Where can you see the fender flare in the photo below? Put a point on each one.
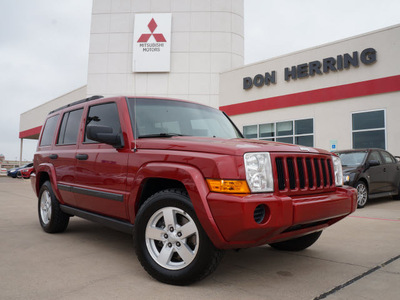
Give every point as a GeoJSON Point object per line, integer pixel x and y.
{"type": "Point", "coordinates": [195, 185]}
{"type": "Point", "coordinates": [50, 171]}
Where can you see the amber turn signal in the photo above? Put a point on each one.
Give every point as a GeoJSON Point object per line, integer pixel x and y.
{"type": "Point", "coordinates": [228, 186]}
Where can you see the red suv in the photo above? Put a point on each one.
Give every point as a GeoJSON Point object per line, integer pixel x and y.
{"type": "Point", "coordinates": [180, 177]}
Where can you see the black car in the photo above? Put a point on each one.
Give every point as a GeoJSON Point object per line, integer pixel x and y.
{"type": "Point", "coordinates": [14, 171]}
{"type": "Point", "coordinates": [374, 173]}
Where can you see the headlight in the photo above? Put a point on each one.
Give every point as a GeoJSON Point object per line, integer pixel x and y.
{"type": "Point", "coordinates": [347, 178]}
{"type": "Point", "coordinates": [259, 172]}
{"type": "Point", "coordinates": [337, 166]}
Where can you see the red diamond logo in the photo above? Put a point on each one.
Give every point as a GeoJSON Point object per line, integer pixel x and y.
{"type": "Point", "coordinates": [159, 37]}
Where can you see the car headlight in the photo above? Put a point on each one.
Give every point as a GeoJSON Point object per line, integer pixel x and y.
{"type": "Point", "coordinates": [337, 166]}
{"type": "Point", "coordinates": [259, 172]}
{"type": "Point", "coordinates": [348, 178]}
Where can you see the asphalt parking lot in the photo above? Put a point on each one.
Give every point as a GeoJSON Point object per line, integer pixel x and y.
{"type": "Point", "coordinates": [358, 258]}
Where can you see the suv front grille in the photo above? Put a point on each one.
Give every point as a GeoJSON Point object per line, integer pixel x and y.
{"type": "Point", "coordinates": [304, 172]}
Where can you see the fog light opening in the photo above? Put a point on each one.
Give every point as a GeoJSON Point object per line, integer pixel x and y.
{"type": "Point", "coordinates": [261, 214]}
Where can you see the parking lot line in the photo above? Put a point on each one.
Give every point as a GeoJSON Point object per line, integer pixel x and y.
{"type": "Point", "coordinates": [370, 271]}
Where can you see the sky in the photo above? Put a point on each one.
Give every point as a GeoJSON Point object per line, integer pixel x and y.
{"type": "Point", "coordinates": [44, 45]}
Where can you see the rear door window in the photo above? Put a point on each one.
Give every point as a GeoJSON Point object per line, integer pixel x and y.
{"type": "Point", "coordinates": [388, 158]}
{"type": "Point", "coordinates": [70, 127]}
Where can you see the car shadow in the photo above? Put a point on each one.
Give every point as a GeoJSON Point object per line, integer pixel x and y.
{"type": "Point", "coordinates": [379, 201]}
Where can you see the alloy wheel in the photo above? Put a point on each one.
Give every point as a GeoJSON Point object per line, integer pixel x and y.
{"type": "Point", "coordinates": [172, 238]}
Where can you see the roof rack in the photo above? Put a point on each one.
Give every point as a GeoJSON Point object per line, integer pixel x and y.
{"type": "Point", "coordinates": [78, 102]}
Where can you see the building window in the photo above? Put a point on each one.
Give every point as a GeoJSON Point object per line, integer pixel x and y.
{"type": "Point", "coordinates": [284, 132]}
{"type": "Point", "coordinates": [304, 132]}
{"type": "Point", "coordinates": [250, 132]}
{"type": "Point", "coordinates": [369, 130]}
{"type": "Point", "coordinates": [267, 131]}
{"type": "Point", "coordinates": [300, 132]}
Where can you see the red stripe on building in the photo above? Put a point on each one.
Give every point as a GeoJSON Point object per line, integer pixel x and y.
{"type": "Point", "coordinates": [359, 89]}
{"type": "Point", "coordinates": [30, 132]}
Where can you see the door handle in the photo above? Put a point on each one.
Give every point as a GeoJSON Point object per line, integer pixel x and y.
{"type": "Point", "coordinates": [82, 156]}
{"type": "Point", "coordinates": [53, 156]}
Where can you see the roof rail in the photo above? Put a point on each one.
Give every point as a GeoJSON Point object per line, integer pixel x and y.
{"type": "Point", "coordinates": [78, 102]}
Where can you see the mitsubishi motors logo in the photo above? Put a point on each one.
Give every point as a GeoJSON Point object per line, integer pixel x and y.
{"type": "Point", "coordinates": [159, 37]}
{"type": "Point", "coordinates": [152, 43]}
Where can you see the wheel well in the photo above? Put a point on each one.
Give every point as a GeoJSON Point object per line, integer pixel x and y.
{"type": "Point", "coordinates": [43, 177]}
{"type": "Point", "coordinates": [364, 181]}
{"type": "Point", "coordinates": [155, 185]}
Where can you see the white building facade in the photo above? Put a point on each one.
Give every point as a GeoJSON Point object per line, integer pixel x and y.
{"type": "Point", "coordinates": [336, 96]}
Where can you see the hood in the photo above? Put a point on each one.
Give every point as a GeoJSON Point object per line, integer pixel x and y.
{"type": "Point", "coordinates": [221, 146]}
{"type": "Point", "coordinates": [350, 169]}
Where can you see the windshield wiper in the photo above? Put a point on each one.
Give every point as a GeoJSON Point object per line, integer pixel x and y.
{"type": "Point", "coordinates": [162, 134]}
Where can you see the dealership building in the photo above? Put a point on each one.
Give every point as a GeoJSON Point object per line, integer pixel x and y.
{"type": "Point", "coordinates": [341, 95]}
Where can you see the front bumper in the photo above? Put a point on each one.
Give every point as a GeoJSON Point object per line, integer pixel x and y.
{"type": "Point", "coordinates": [285, 217]}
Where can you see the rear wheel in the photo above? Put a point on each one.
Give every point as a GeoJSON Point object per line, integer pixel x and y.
{"type": "Point", "coordinates": [299, 243]}
{"type": "Point", "coordinates": [362, 194]}
{"type": "Point", "coordinates": [51, 218]}
{"type": "Point", "coordinates": [170, 243]}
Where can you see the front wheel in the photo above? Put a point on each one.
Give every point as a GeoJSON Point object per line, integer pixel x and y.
{"type": "Point", "coordinates": [362, 194]}
{"type": "Point", "coordinates": [170, 243]}
{"type": "Point", "coordinates": [297, 244]}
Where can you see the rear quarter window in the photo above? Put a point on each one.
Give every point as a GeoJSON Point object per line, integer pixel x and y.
{"type": "Point", "coordinates": [49, 130]}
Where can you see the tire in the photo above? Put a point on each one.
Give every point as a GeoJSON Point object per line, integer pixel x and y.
{"type": "Point", "coordinates": [51, 218]}
{"type": "Point", "coordinates": [297, 244]}
{"type": "Point", "coordinates": [169, 241]}
{"type": "Point", "coordinates": [362, 194]}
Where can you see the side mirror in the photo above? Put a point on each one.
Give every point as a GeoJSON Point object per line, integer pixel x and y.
{"type": "Point", "coordinates": [104, 134]}
{"type": "Point", "coordinates": [372, 163]}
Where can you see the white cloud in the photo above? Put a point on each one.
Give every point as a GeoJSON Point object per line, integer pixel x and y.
{"type": "Point", "coordinates": [44, 47]}
{"type": "Point", "coordinates": [274, 28]}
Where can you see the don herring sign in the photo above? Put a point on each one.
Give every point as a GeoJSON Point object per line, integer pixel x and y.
{"type": "Point", "coordinates": [305, 70]}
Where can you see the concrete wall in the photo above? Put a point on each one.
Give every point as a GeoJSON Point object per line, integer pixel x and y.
{"type": "Point", "coordinates": [207, 38]}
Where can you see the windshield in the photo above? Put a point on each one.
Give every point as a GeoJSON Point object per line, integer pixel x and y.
{"type": "Point", "coordinates": [352, 159]}
{"type": "Point", "coordinates": [167, 118]}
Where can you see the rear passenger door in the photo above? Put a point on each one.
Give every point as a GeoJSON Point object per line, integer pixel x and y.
{"type": "Point", "coordinates": [63, 156]}
{"type": "Point", "coordinates": [392, 172]}
{"type": "Point", "coordinates": [376, 173]}
{"type": "Point", "coordinates": [101, 169]}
